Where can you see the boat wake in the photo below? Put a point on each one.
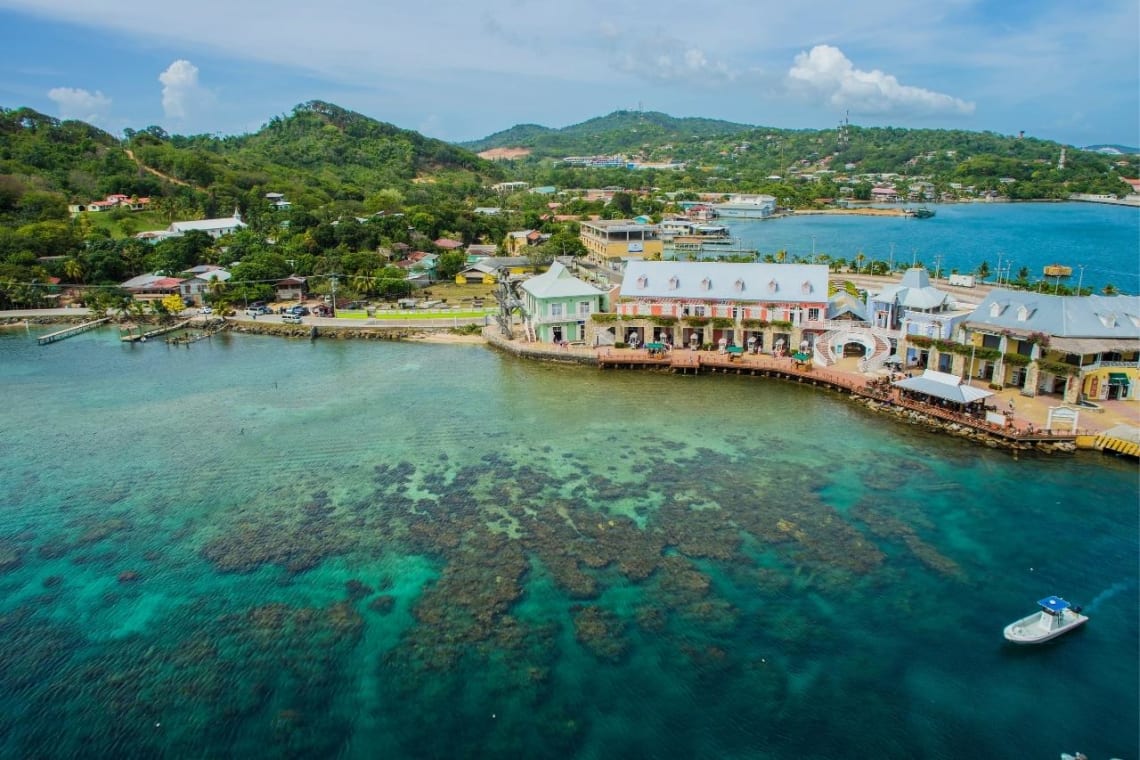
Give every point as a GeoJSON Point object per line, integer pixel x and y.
{"type": "Point", "coordinates": [1107, 594]}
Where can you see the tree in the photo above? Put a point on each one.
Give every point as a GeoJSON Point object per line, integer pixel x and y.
{"type": "Point", "coordinates": [449, 264]}
{"type": "Point", "coordinates": [173, 304]}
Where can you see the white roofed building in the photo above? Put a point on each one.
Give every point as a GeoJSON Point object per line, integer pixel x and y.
{"type": "Point", "coordinates": [215, 228]}
{"type": "Point", "coordinates": [776, 307]}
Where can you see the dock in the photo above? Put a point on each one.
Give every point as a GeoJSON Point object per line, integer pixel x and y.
{"type": "Point", "coordinates": [155, 333]}
{"type": "Point", "coordinates": [59, 335]}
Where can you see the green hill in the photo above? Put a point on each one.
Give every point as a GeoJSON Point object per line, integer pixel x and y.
{"type": "Point", "coordinates": [619, 132]}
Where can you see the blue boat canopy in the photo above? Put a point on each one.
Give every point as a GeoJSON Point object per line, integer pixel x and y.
{"type": "Point", "coordinates": [1054, 604]}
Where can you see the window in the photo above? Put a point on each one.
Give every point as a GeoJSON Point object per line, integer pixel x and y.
{"type": "Point", "coordinates": [698, 311]}
{"type": "Point", "coordinates": [642, 281]}
{"type": "Point", "coordinates": [806, 287]}
{"type": "Point", "coordinates": [706, 284]}
{"type": "Point", "coordinates": [584, 308]}
{"type": "Point", "coordinates": [739, 285]}
{"type": "Point", "coordinates": [556, 310]}
{"type": "Point", "coordinates": [773, 286]}
{"type": "Point", "coordinates": [674, 283]}
{"type": "Point", "coordinates": [813, 315]}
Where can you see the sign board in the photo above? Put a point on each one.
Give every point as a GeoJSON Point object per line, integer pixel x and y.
{"type": "Point", "coordinates": [995, 418]}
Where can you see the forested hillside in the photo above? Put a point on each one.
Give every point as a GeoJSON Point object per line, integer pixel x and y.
{"type": "Point", "coordinates": [363, 194]}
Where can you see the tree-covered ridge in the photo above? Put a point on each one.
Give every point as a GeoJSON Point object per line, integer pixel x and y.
{"type": "Point", "coordinates": [618, 132]}
{"type": "Point", "coordinates": [319, 153]}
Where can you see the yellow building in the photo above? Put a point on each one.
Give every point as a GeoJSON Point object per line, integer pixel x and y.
{"type": "Point", "coordinates": [610, 242]}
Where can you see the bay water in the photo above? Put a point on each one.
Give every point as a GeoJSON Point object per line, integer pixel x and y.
{"type": "Point", "coordinates": [261, 547]}
{"type": "Point", "coordinates": [1103, 239]}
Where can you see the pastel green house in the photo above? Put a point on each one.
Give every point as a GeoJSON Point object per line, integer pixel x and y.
{"type": "Point", "coordinates": [558, 305]}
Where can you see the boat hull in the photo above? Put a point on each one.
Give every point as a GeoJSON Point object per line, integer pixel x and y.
{"type": "Point", "coordinates": [1038, 628]}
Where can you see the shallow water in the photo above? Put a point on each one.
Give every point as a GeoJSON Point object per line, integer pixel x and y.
{"type": "Point", "coordinates": [267, 547]}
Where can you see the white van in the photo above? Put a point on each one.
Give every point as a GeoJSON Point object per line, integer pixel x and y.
{"type": "Point", "coordinates": [291, 319]}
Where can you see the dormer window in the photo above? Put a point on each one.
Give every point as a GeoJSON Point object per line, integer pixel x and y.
{"type": "Point", "coordinates": [1108, 320]}
{"type": "Point", "coordinates": [773, 286]}
{"type": "Point", "coordinates": [806, 287]}
{"type": "Point", "coordinates": [706, 284]}
{"type": "Point", "coordinates": [995, 309]}
{"type": "Point", "coordinates": [739, 285]}
{"type": "Point", "coordinates": [674, 283]}
{"type": "Point", "coordinates": [1022, 313]}
{"type": "Point", "coordinates": [642, 282]}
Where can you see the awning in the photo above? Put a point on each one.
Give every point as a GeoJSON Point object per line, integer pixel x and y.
{"type": "Point", "coordinates": [1054, 604]}
{"type": "Point", "coordinates": [944, 386]}
{"type": "Point", "coordinates": [1118, 378]}
{"type": "Point", "coordinates": [1084, 346]}
{"type": "Point", "coordinates": [801, 357]}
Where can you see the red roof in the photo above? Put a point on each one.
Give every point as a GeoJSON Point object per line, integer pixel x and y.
{"type": "Point", "coordinates": [165, 282]}
{"type": "Point", "coordinates": [448, 243]}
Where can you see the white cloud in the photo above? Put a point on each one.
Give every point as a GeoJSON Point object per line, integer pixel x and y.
{"type": "Point", "coordinates": [75, 103]}
{"type": "Point", "coordinates": [181, 91]}
{"type": "Point", "coordinates": [673, 61]}
{"type": "Point", "coordinates": [826, 71]}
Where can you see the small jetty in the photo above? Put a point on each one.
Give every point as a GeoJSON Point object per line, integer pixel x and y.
{"type": "Point", "coordinates": [155, 333]}
{"type": "Point", "coordinates": [59, 335]}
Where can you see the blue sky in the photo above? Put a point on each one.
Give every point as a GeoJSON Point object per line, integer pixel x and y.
{"type": "Point", "coordinates": [461, 70]}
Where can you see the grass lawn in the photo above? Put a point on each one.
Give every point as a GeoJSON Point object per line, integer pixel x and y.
{"type": "Point", "coordinates": [136, 222]}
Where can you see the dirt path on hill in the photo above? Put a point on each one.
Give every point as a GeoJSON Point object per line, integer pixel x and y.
{"type": "Point", "coordinates": [131, 154]}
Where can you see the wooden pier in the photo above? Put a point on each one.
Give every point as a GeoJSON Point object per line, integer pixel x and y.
{"type": "Point", "coordinates": [683, 361]}
{"type": "Point", "coordinates": [58, 335]}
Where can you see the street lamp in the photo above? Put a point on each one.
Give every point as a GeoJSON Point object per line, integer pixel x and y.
{"type": "Point", "coordinates": [813, 248]}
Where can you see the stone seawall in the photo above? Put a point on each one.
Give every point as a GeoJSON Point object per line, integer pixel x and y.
{"type": "Point", "coordinates": [962, 431]}
{"type": "Point", "coordinates": [338, 332]}
{"type": "Point", "coordinates": [529, 351]}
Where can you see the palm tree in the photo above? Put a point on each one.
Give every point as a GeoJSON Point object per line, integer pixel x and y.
{"type": "Point", "coordinates": [984, 270]}
{"type": "Point", "coordinates": [860, 258]}
{"type": "Point", "coordinates": [73, 270]}
{"type": "Point", "coordinates": [1110, 290]}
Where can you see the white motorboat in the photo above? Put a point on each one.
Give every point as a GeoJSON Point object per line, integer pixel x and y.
{"type": "Point", "coordinates": [1055, 617]}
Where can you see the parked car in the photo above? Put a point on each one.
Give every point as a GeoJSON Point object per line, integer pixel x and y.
{"type": "Point", "coordinates": [205, 310]}
{"type": "Point", "coordinates": [302, 310]}
{"type": "Point", "coordinates": [291, 317]}
{"type": "Point", "coordinates": [257, 311]}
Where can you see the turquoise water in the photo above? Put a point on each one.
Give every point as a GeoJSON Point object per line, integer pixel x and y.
{"type": "Point", "coordinates": [1104, 238]}
{"type": "Point", "coordinates": [259, 547]}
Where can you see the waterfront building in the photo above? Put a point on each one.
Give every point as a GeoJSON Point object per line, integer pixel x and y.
{"type": "Point", "coordinates": [292, 288]}
{"type": "Point", "coordinates": [612, 242]}
{"type": "Point", "coordinates": [772, 307]}
{"type": "Point", "coordinates": [1084, 347]}
{"type": "Point", "coordinates": [197, 284]}
{"type": "Point", "coordinates": [152, 287]}
{"type": "Point", "coordinates": [558, 305]}
{"type": "Point", "coordinates": [915, 308]}
{"type": "Point", "coordinates": [744, 205]}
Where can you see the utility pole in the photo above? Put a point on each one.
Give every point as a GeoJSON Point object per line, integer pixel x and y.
{"type": "Point", "coordinates": [891, 261]}
{"type": "Point", "coordinates": [1080, 279]}
{"type": "Point", "coordinates": [332, 279]}
{"type": "Point", "coordinates": [999, 269]}
{"type": "Point", "coordinates": [937, 265]}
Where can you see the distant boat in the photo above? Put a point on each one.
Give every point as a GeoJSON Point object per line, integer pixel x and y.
{"type": "Point", "coordinates": [1055, 617]}
{"type": "Point", "coordinates": [1058, 270]}
{"type": "Point", "coordinates": [922, 212]}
